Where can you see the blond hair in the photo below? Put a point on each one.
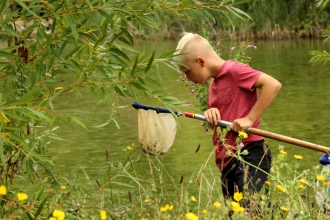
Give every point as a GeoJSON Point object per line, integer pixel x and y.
{"type": "Point", "coordinates": [193, 45]}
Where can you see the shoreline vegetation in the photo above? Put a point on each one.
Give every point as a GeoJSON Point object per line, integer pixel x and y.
{"type": "Point", "coordinates": [93, 43]}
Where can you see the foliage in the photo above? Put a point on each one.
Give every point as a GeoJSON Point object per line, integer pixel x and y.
{"type": "Point", "coordinates": [56, 47]}
{"type": "Point", "coordinates": [321, 57]}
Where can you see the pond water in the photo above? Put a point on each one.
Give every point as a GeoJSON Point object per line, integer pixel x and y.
{"type": "Point", "coordinates": [301, 110]}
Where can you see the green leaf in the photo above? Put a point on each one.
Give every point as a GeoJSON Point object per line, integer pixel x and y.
{"type": "Point", "coordinates": [21, 3]}
{"type": "Point", "coordinates": [3, 5]}
{"type": "Point", "coordinates": [8, 55]}
{"type": "Point", "coordinates": [41, 206]}
{"type": "Point", "coordinates": [89, 3]}
{"type": "Point", "coordinates": [153, 82]}
{"type": "Point", "coordinates": [102, 125]}
{"type": "Point", "coordinates": [116, 123]}
{"type": "Point", "coordinates": [72, 52]}
{"type": "Point", "coordinates": [134, 65]}
{"type": "Point", "coordinates": [73, 28]}
{"type": "Point", "coordinates": [149, 63]}
{"type": "Point", "coordinates": [78, 122]}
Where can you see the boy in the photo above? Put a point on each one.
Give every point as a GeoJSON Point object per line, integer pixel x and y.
{"type": "Point", "coordinates": [232, 97]}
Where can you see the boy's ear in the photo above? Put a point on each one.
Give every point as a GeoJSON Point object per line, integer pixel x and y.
{"type": "Point", "coordinates": [200, 60]}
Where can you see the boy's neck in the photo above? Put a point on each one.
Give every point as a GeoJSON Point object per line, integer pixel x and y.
{"type": "Point", "coordinates": [217, 64]}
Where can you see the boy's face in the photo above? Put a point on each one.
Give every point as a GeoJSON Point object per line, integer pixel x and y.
{"type": "Point", "coordinates": [196, 71]}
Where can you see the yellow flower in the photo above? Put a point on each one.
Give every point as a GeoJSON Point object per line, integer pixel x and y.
{"type": "Point", "coordinates": [283, 152]}
{"type": "Point", "coordinates": [169, 207]}
{"type": "Point", "coordinates": [22, 196]}
{"type": "Point", "coordinates": [129, 148]}
{"type": "Point", "coordinates": [242, 134]}
{"type": "Point", "coordinates": [236, 207]}
{"type": "Point", "coordinates": [238, 196]}
{"type": "Point", "coordinates": [301, 187]}
{"type": "Point", "coordinates": [191, 216]}
{"type": "Point", "coordinates": [319, 177]}
{"type": "Point", "coordinates": [267, 183]}
{"type": "Point", "coordinates": [281, 188]}
{"type": "Point", "coordinates": [59, 214]}
{"type": "Point", "coordinates": [204, 211]}
{"type": "Point", "coordinates": [103, 214]}
{"type": "Point", "coordinates": [298, 157]}
{"type": "Point", "coordinates": [163, 209]}
{"type": "Point", "coordinates": [192, 198]}
{"type": "Point", "coordinates": [302, 181]}
{"type": "Point", "coordinates": [52, 218]}
{"type": "Point", "coordinates": [144, 219]}
{"type": "Point", "coordinates": [325, 184]}
{"type": "Point", "coordinates": [284, 209]}
{"type": "Point", "coordinates": [146, 200]}
{"type": "Point", "coordinates": [62, 187]}
{"type": "Point", "coordinates": [3, 190]}
{"type": "Point", "coordinates": [217, 204]}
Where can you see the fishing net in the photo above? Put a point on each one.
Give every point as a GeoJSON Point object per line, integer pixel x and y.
{"type": "Point", "coordinates": [156, 131]}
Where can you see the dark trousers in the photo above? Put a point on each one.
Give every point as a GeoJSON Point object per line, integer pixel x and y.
{"type": "Point", "coordinates": [238, 174]}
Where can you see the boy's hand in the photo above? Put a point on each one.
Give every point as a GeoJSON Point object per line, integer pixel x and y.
{"type": "Point", "coordinates": [241, 124]}
{"type": "Point", "coordinates": [212, 116]}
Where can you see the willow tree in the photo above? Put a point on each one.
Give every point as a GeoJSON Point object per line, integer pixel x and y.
{"type": "Point", "coordinates": [85, 41]}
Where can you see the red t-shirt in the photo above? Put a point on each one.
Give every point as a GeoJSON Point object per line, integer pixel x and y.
{"type": "Point", "coordinates": [232, 92]}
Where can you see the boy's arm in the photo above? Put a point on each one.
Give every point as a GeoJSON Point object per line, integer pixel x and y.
{"type": "Point", "coordinates": [269, 88]}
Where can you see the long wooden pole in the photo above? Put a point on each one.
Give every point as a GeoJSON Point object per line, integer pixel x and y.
{"type": "Point", "coordinates": [268, 134]}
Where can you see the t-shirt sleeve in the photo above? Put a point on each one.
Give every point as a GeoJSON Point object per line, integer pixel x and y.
{"type": "Point", "coordinates": [244, 75]}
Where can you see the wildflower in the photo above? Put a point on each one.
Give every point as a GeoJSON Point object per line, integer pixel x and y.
{"type": "Point", "coordinates": [236, 207]}
{"type": "Point", "coordinates": [281, 188]}
{"type": "Point", "coordinates": [217, 204]}
{"type": "Point", "coordinates": [301, 186]}
{"type": "Point", "coordinates": [146, 200]}
{"type": "Point", "coordinates": [211, 24]}
{"type": "Point", "coordinates": [3, 190]}
{"type": "Point", "coordinates": [163, 209]}
{"type": "Point", "coordinates": [22, 196]}
{"type": "Point", "coordinates": [59, 214]}
{"type": "Point", "coordinates": [249, 58]}
{"type": "Point", "coordinates": [298, 157]}
{"type": "Point", "coordinates": [169, 207]}
{"type": "Point", "coordinates": [302, 181]}
{"type": "Point", "coordinates": [319, 177]}
{"type": "Point", "coordinates": [283, 152]}
{"type": "Point", "coordinates": [192, 92]}
{"type": "Point", "coordinates": [144, 219]}
{"type": "Point", "coordinates": [325, 184]}
{"type": "Point", "coordinates": [267, 183]}
{"type": "Point", "coordinates": [238, 196]}
{"type": "Point", "coordinates": [284, 209]}
{"type": "Point", "coordinates": [52, 218]}
{"type": "Point", "coordinates": [204, 211]}
{"type": "Point", "coordinates": [242, 134]}
{"type": "Point", "coordinates": [206, 129]}
{"type": "Point", "coordinates": [129, 148]}
{"type": "Point", "coordinates": [218, 44]}
{"type": "Point", "coordinates": [201, 97]}
{"type": "Point", "coordinates": [191, 216]}
{"type": "Point", "coordinates": [103, 214]}
{"type": "Point", "coordinates": [232, 48]}
{"type": "Point", "coordinates": [255, 47]}
{"type": "Point", "coordinates": [172, 63]}
{"type": "Point", "coordinates": [192, 198]}
{"type": "Point", "coordinates": [62, 187]}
